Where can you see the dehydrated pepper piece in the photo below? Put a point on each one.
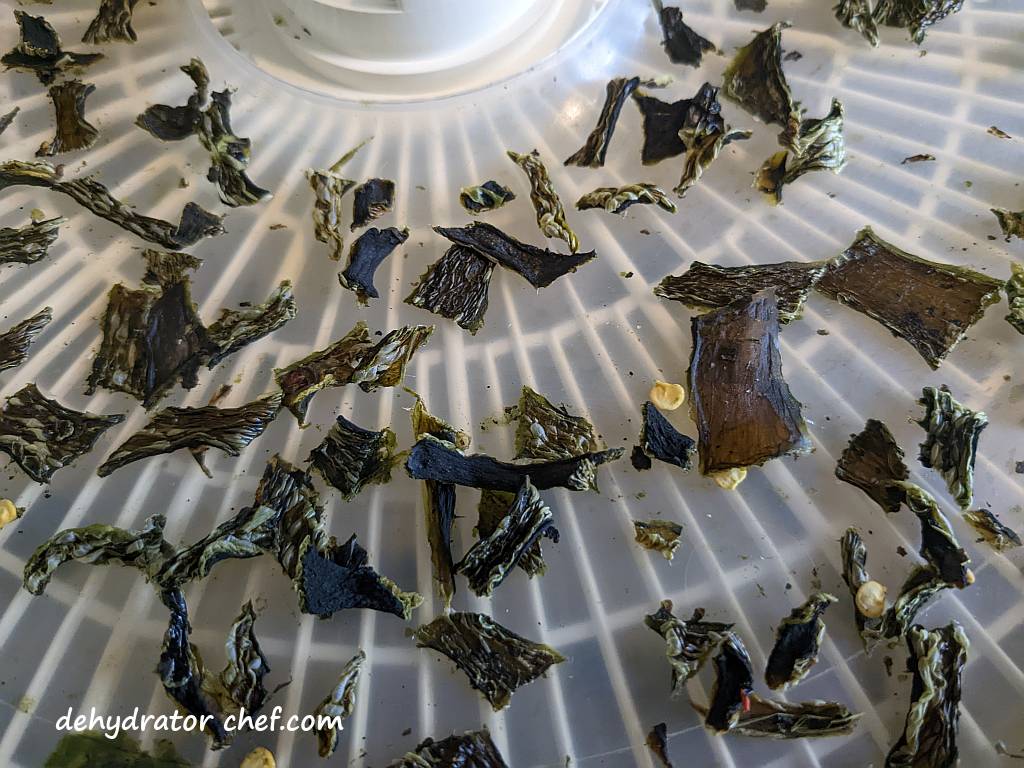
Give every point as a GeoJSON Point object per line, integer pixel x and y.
{"type": "Point", "coordinates": [8, 118]}
{"type": "Point", "coordinates": [703, 151]}
{"type": "Point", "coordinates": [340, 702]}
{"type": "Point", "coordinates": [818, 146]}
{"type": "Point", "coordinates": [952, 442]}
{"type": "Point", "coordinates": [39, 50]}
{"type": "Point", "coordinates": [473, 749]}
{"type": "Point", "coordinates": [657, 742]}
{"type": "Point", "coordinates": [991, 530]}
{"type": "Point", "coordinates": [874, 463]}
{"type": "Point", "coordinates": [744, 411]}
{"type": "Point", "coordinates": [734, 682]}
{"type": "Point", "coordinates": [237, 328]}
{"type": "Point", "coordinates": [73, 130]}
{"type": "Point", "coordinates": [921, 585]}
{"type": "Point", "coordinates": [688, 644]}
{"type": "Point", "coordinates": [855, 574]}
{"type": "Point", "coordinates": [350, 457]}
{"type": "Point", "coordinates": [177, 123]}
{"type": "Point", "coordinates": [113, 21]}
{"type": "Point", "coordinates": [492, 509]}
{"type": "Point", "coordinates": [433, 459]}
{"type": "Point", "coordinates": [493, 556]}
{"type": "Point", "coordinates": [755, 80]}
{"type": "Point", "coordinates": [329, 188]}
{"type": "Point", "coordinates": [713, 286]}
{"type": "Point", "coordinates": [97, 748]}
{"type": "Point", "coordinates": [660, 440]}
{"type": "Point", "coordinates": [787, 720]}
{"type": "Point", "coordinates": [15, 342]}
{"type": "Point", "coordinates": [659, 535]}
{"type": "Point", "coordinates": [372, 200]}
{"type": "Point", "coordinates": [1011, 222]}
{"type": "Point", "coordinates": [227, 429]}
{"type": "Point", "coordinates": [485, 197]}
{"type": "Point", "coordinates": [546, 203]}
{"type": "Point", "coordinates": [937, 659]}
{"type": "Point", "coordinates": [914, 15]}
{"type": "Point", "coordinates": [920, 158]}
{"type": "Point", "coordinates": [455, 286]}
{"type": "Point", "coordinates": [366, 254]}
{"type": "Point", "coordinates": [619, 199]}
{"type": "Point", "coordinates": [681, 43]}
{"type": "Point", "coordinates": [496, 660]}
{"type": "Point", "coordinates": [539, 266]}
{"type": "Point", "coordinates": [928, 304]}
{"type": "Point", "coordinates": [549, 432]}
{"type": "Point", "coordinates": [195, 224]}
{"type": "Point", "coordinates": [1014, 293]}
{"type": "Point", "coordinates": [856, 15]}
{"type": "Point", "coordinates": [30, 243]}
{"type": "Point", "coordinates": [353, 359]}
{"type": "Point", "coordinates": [240, 683]}
{"type": "Point", "coordinates": [796, 642]}
{"type": "Point", "coordinates": [939, 545]}
{"type": "Point", "coordinates": [662, 122]}
{"type": "Point", "coordinates": [595, 148]}
{"type": "Point", "coordinates": [41, 435]}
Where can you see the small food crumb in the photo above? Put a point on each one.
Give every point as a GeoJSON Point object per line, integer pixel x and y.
{"type": "Point", "coordinates": [870, 599]}
{"type": "Point", "coordinates": [626, 275]}
{"type": "Point", "coordinates": [8, 512]}
{"type": "Point", "coordinates": [998, 132]}
{"type": "Point", "coordinates": [261, 757]}
{"type": "Point", "coordinates": [667, 396]}
{"type": "Point", "coordinates": [822, 331]}
{"type": "Point", "coordinates": [887, 660]}
{"type": "Point", "coordinates": [901, 551]}
{"type": "Point", "coordinates": [730, 478]}
{"type": "Point", "coordinates": [37, 215]}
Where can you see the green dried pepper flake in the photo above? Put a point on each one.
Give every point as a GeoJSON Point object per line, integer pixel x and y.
{"type": "Point", "coordinates": [734, 682]}
{"type": "Point", "coordinates": [939, 545]}
{"type": "Point", "coordinates": [920, 587]}
{"type": "Point", "coordinates": [1014, 293]}
{"type": "Point", "coordinates": [549, 432]}
{"type": "Point", "coordinates": [539, 266]}
{"type": "Point", "coordinates": [1011, 222]}
{"type": "Point", "coordinates": [688, 643]}
{"type": "Point", "coordinates": [39, 50]}
{"type": "Point", "coordinates": [340, 702]}
{"type": "Point", "coordinates": [350, 457]}
{"type": "Point", "coordinates": [856, 15]}
{"type": "Point", "coordinates": [237, 328]}
{"type": "Point", "coordinates": [195, 223]}
{"type": "Point", "coordinates": [712, 286]}
{"type": "Point", "coordinates": [930, 305]}
{"type": "Point", "coordinates": [755, 81]}
{"type": "Point", "coordinates": [353, 359]}
{"type": "Point", "coordinates": [855, 574]}
{"type": "Point", "coordinates": [455, 287]}
{"type": "Point", "coordinates": [682, 44]}
{"type": "Point", "coordinates": [491, 511]}
{"type": "Point", "coordinates": [874, 463]}
{"type": "Point", "coordinates": [93, 748]}
{"type": "Point", "coordinates": [594, 150]}
{"type": "Point", "coordinates": [704, 133]}
{"type": "Point", "coordinates": [489, 561]}
{"type": "Point", "coordinates": [818, 146]}
{"type": "Point", "coordinates": [438, 460]}
{"type": "Point", "coordinates": [952, 442]}
{"type": "Point", "coordinates": [744, 411]}
{"type": "Point", "coordinates": [208, 116]}
{"type": "Point", "coordinates": [372, 199]}
{"type": "Point", "coordinates": [329, 188]}
{"type": "Point", "coordinates": [701, 153]}
{"type": "Point", "coordinates": [227, 429]}
{"type": "Point", "coordinates": [660, 440]}
{"type": "Point", "coordinates": [473, 749]}
{"type": "Point", "coordinates": [496, 660]}
{"type": "Point", "coordinates": [8, 118]}
{"type": "Point", "coordinates": [657, 742]}
{"type": "Point", "coordinates": [240, 683]}
{"type": "Point", "coordinates": [113, 22]}
{"type": "Point", "coordinates": [73, 130]}
{"type": "Point", "coordinates": [786, 720]}
{"type": "Point", "coordinates": [485, 197]}
{"type": "Point", "coordinates": [365, 256]}
{"type": "Point", "coordinates": [937, 660]}
{"type": "Point", "coordinates": [914, 15]}
{"type": "Point", "coordinates": [991, 530]}
{"type": "Point", "coordinates": [42, 436]}
{"type": "Point", "coordinates": [546, 203]}
{"type": "Point", "coordinates": [658, 535]}
{"type": "Point", "coordinates": [30, 243]}
{"type": "Point", "coordinates": [618, 199]}
{"type": "Point", "coordinates": [98, 545]}
{"type": "Point", "coordinates": [796, 642]}
{"type": "Point", "coordinates": [15, 342]}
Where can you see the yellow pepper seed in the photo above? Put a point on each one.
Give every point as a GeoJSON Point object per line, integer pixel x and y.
{"type": "Point", "coordinates": [261, 757]}
{"type": "Point", "coordinates": [730, 478]}
{"type": "Point", "coordinates": [8, 512]}
{"type": "Point", "coordinates": [870, 599]}
{"type": "Point", "coordinates": [667, 396]}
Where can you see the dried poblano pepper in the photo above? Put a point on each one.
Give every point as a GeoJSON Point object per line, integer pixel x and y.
{"type": "Point", "coordinates": [496, 660]}
{"type": "Point", "coordinates": [796, 642]}
{"type": "Point", "coordinates": [1011, 222]}
{"type": "Point", "coordinates": [855, 574]}
{"type": "Point", "coordinates": [73, 130]}
{"type": "Point", "coordinates": [366, 254]}
{"type": "Point", "coordinates": [856, 15]}
{"type": "Point", "coordinates": [939, 545]}
{"type": "Point", "coordinates": [660, 440]}
{"type": "Point", "coordinates": [340, 702]}
{"type": "Point", "coordinates": [595, 148]}
{"type": "Point", "coordinates": [1014, 293]}
{"type": "Point", "coordinates": [681, 43]}
{"type": "Point", "coordinates": [473, 749]}
{"type": "Point", "coordinates": [98, 545]}
{"type": "Point", "coordinates": [662, 122]}
{"type": "Point", "coordinates": [113, 21]}
{"type": "Point", "coordinates": [41, 435]}
{"type": "Point", "coordinates": [619, 199]}
{"type": "Point", "coordinates": [546, 203]}
{"type": "Point", "coordinates": [353, 359]}
{"type": "Point", "coordinates": [493, 556]}
{"type": "Point", "coordinates": [937, 659]}
{"type": "Point", "coordinates": [433, 459]}
{"type": "Point", "coordinates": [485, 197]}
{"type": "Point", "coordinates": [237, 328]}
{"type": "Point", "coordinates": [30, 243]}
{"type": "Point", "coordinates": [539, 266]}
{"type": "Point", "coordinates": [8, 118]}
{"type": "Point", "coordinates": [704, 133]}
{"type": "Point", "coordinates": [15, 342]}
{"type": "Point", "coordinates": [991, 530]}
{"type": "Point", "coordinates": [549, 432]}
{"type": "Point", "coordinates": [658, 535]}
{"type": "Point", "coordinates": [874, 463]}
{"type": "Point", "coordinates": [688, 644]}
{"type": "Point", "coordinates": [914, 15]}
{"type": "Point", "coordinates": [734, 682]}
{"type": "Point", "coordinates": [39, 50]}
{"type": "Point", "coordinates": [371, 200]}
{"type": "Point", "coordinates": [240, 683]}
{"type": "Point", "coordinates": [455, 287]}
{"type": "Point", "coordinates": [350, 457]}
{"type": "Point", "coordinates": [711, 286]}
{"type": "Point", "coordinates": [657, 742]}
{"type": "Point", "coordinates": [818, 146]}
{"type": "Point", "coordinates": [786, 720]}
{"type": "Point", "coordinates": [492, 509]}
{"type": "Point", "coordinates": [744, 411]}
{"type": "Point", "coordinates": [928, 304]}
{"type": "Point", "coordinates": [921, 586]}
{"type": "Point", "coordinates": [329, 188]}
{"type": "Point", "coordinates": [952, 442]}
{"type": "Point", "coordinates": [195, 223]}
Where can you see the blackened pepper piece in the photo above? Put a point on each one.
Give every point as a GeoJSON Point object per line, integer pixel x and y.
{"type": "Point", "coordinates": [15, 342]}
{"type": "Point", "coordinates": [744, 411]}
{"type": "Point", "coordinates": [662, 122]}
{"type": "Point", "coordinates": [485, 197]}
{"type": "Point", "coordinates": [660, 440]}
{"type": "Point", "coordinates": [991, 530]}
{"type": "Point", "coordinates": [939, 545]}
{"type": "Point", "coordinates": [688, 643]}
{"type": "Point", "coordinates": [73, 130]}
{"type": "Point", "coordinates": [594, 150]}
{"type": "Point", "coordinates": [237, 328]}
{"type": "Point", "coordinates": [734, 681]}
{"type": "Point", "coordinates": [455, 287]}
{"type": "Point", "coordinates": [682, 44]}
{"type": "Point", "coordinates": [787, 720]}
{"type": "Point", "coordinates": [796, 642]}
{"type": "Point", "coordinates": [177, 123]}
{"type": "Point", "coordinates": [40, 51]}
{"type": "Point", "coordinates": [920, 587]}
{"type": "Point", "coordinates": [473, 749]}
{"type": "Point", "coordinates": [372, 200]}
{"type": "Point", "coordinates": [350, 457]}
{"type": "Point", "coordinates": [30, 243]}
{"type": "Point", "coordinates": [874, 463]}
{"type": "Point", "coordinates": [492, 509]}
{"type": "Point", "coordinates": [366, 254]}
{"type": "Point", "coordinates": [952, 441]}
{"type": "Point", "coordinates": [755, 80]}
{"type": "Point", "coordinates": [657, 742]}
{"type": "Point", "coordinates": [113, 21]}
